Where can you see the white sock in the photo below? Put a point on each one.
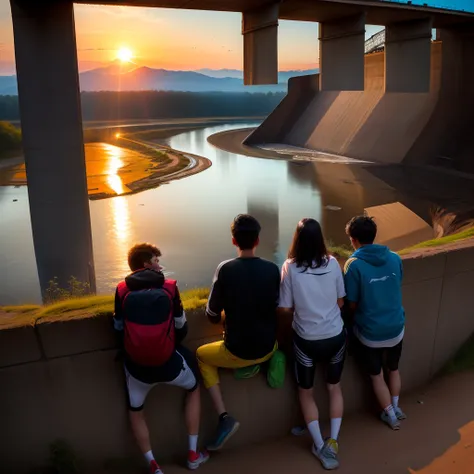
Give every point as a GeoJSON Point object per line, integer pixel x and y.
{"type": "Point", "coordinates": [149, 456]}
{"type": "Point", "coordinates": [313, 428]}
{"type": "Point", "coordinates": [193, 442]}
{"type": "Point", "coordinates": [395, 401]}
{"type": "Point", "coordinates": [390, 412]}
{"type": "Point", "coordinates": [335, 427]}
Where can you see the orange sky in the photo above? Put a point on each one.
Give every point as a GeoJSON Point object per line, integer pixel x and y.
{"type": "Point", "coordinates": [169, 39]}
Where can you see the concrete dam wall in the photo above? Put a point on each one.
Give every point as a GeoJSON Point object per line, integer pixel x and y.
{"type": "Point", "coordinates": [384, 127]}
{"type": "Point", "coordinates": [62, 380]}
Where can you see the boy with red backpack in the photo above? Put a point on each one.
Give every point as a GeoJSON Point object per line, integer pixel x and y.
{"type": "Point", "coordinates": [151, 322]}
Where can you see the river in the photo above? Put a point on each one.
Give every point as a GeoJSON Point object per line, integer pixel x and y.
{"type": "Point", "coordinates": [189, 219]}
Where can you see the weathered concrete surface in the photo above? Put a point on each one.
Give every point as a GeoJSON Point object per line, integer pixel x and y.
{"type": "Point", "coordinates": [408, 56]}
{"type": "Point", "coordinates": [417, 128]}
{"type": "Point", "coordinates": [260, 31]}
{"type": "Point", "coordinates": [48, 87]}
{"type": "Point", "coordinates": [368, 125]}
{"type": "Point", "coordinates": [18, 346]}
{"type": "Point", "coordinates": [74, 388]}
{"type": "Point", "coordinates": [68, 338]}
{"type": "Point", "coordinates": [341, 54]}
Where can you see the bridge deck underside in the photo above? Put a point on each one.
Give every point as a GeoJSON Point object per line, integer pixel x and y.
{"type": "Point", "coordinates": [378, 13]}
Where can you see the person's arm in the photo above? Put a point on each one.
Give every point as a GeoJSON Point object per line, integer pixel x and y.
{"type": "Point", "coordinates": [215, 303]}
{"type": "Point", "coordinates": [286, 304]}
{"type": "Point", "coordinates": [340, 288]}
{"type": "Point", "coordinates": [118, 320]}
{"type": "Point", "coordinates": [179, 315]}
{"type": "Point", "coordinates": [352, 285]}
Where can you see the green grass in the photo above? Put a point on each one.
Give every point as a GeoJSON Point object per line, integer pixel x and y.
{"type": "Point", "coordinates": [340, 251]}
{"type": "Point", "coordinates": [10, 140]}
{"type": "Point", "coordinates": [82, 308]}
{"type": "Point", "coordinates": [449, 239]}
{"type": "Point", "coordinates": [463, 360]}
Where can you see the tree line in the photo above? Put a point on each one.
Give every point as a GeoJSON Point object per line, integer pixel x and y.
{"type": "Point", "coordinates": [10, 139]}
{"type": "Point", "coordinates": [162, 105]}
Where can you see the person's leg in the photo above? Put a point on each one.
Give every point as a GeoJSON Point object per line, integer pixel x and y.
{"type": "Point", "coordinates": [188, 379]}
{"type": "Point", "coordinates": [334, 374]}
{"type": "Point", "coordinates": [304, 373]}
{"type": "Point", "coordinates": [210, 357]}
{"type": "Point", "coordinates": [374, 364]}
{"type": "Point", "coordinates": [137, 392]}
{"type": "Point", "coordinates": [215, 355]}
{"type": "Point", "coordinates": [395, 382]}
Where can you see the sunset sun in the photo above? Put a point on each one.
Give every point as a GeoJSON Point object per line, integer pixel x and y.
{"type": "Point", "coordinates": [125, 55]}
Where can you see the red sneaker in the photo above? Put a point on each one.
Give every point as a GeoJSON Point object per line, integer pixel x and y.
{"type": "Point", "coordinates": [154, 468]}
{"type": "Point", "coordinates": [195, 459]}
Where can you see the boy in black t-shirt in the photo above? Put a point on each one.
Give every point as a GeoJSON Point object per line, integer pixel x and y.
{"type": "Point", "coordinates": [247, 289]}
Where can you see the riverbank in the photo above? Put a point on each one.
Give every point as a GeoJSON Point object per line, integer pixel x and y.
{"type": "Point", "coordinates": [120, 164]}
{"type": "Point", "coordinates": [232, 142]}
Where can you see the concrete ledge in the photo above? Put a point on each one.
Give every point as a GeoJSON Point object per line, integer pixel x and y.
{"type": "Point", "coordinates": [18, 346]}
{"type": "Point", "coordinates": [66, 338]}
{"type": "Point", "coordinates": [76, 390]}
{"type": "Point", "coordinates": [421, 300]}
{"type": "Point", "coordinates": [423, 268]}
{"type": "Point", "coordinates": [456, 321]}
{"type": "Point", "coordinates": [460, 260]}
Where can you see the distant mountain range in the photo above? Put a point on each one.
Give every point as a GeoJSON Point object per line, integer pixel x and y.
{"type": "Point", "coordinates": [119, 77]}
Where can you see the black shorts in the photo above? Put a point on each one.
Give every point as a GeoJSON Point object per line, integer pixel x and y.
{"type": "Point", "coordinates": [330, 351]}
{"type": "Point", "coordinates": [374, 358]}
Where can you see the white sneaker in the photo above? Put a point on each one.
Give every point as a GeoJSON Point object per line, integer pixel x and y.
{"type": "Point", "coordinates": [399, 413]}
{"type": "Point", "coordinates": [394, 424]}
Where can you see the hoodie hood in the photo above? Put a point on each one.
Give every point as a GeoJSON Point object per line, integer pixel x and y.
{"type": "Point", "coordinates": [144, 279]}
{"type": "Point", "coordinates": [375, 255]}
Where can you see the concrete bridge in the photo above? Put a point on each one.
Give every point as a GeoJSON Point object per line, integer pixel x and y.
{"type": "Point", "coordinates": [47, 71]}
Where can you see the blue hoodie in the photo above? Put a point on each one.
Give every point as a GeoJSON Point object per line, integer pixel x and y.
{"type": "Point", "coordinates": [373, 279]}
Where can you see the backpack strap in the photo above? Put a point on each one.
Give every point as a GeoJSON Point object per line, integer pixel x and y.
{"type": "Point", "coordinates": [348, 264]}
{"type": "Point", "coordinates": [123, 292]}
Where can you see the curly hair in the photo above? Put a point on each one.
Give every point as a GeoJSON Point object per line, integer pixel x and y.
{"type": "Point", "coordinates": [140, 254]}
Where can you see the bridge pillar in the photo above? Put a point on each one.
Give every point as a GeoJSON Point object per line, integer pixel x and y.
{"type": "Point", "coordinates": [260, 31]}
{"type": "Point", "coordinates": [408, 56]}
{"type": "Point", "coordinates": [50, 108]}
{"type": "Point", "coordinates": [341, 54]}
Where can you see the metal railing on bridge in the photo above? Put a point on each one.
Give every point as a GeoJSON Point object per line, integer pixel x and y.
{"type": "Point", "coordinates": [375, 42]}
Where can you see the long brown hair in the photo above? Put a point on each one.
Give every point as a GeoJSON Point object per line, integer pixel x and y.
{"type": "Point", "coordinates": [308, 248]}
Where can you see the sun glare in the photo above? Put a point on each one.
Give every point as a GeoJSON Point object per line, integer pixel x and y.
{"type": "Point", "coordinates": [125, 55]}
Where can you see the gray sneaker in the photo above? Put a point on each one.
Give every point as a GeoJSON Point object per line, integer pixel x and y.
{"type": "Point", "coordinates": [394, 424]}
{"type": "Point", "coordinates": [327, 454]}
{"type": "Point", "coordinates": [399, 413]}
{"type": "Point", "coordinates": [225, 429]}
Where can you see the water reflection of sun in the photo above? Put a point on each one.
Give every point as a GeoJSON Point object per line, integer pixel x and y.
{"type": "Point", "coordinates": [114, 162]}
{"type": "Point", "coordinates": [120, 233]}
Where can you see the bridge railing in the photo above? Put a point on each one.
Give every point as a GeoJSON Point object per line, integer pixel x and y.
{"type": "Point", "coordinates": [375, 42]}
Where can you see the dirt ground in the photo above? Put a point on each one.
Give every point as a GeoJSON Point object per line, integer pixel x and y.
{"type": "Point", "coordinates": [437, 438]}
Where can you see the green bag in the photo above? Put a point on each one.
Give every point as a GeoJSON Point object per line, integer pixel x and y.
{"type": "Point", "coordinates": [276, 370]}
{"type": "Point", "coordinates": [246, 372]}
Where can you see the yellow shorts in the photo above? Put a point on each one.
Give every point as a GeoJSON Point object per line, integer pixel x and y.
{"type": "Point", "coordinates": [214, 355]}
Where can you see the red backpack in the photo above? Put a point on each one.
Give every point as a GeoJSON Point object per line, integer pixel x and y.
{"type": "Point", "coordinates": [149, 332]}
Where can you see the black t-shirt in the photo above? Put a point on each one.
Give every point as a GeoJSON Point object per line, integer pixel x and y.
{"type": "Point", "coordinates": [247, 289]}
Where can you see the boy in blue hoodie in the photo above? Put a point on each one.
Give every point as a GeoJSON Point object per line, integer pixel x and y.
{"type": "Point", "coordinates": [373, 280]}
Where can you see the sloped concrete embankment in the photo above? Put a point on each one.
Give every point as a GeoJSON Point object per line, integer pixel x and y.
{"type": "Point", "coordinates": [417, 128]}
{"type": "Point", "coordinates": [62, 380]}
